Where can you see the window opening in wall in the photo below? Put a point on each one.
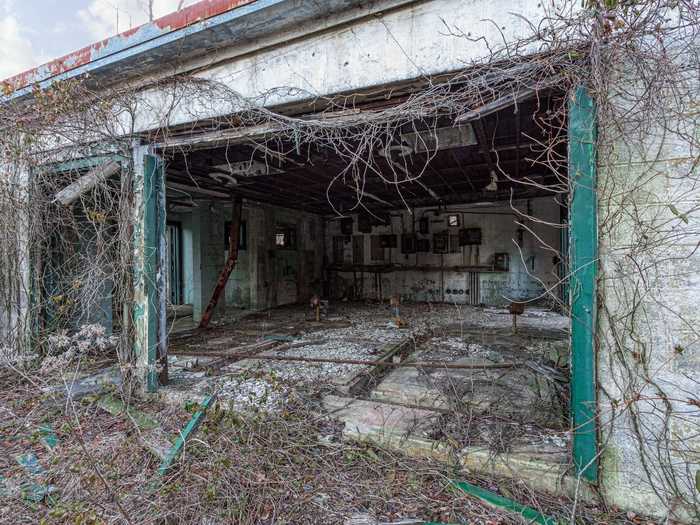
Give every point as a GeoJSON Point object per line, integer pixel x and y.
{"type": "Point", "coordinates": [242, 235]}
{"type": "Point", "coordinates": [174, 263]}
{"type": "Point", "coordinates": [286, 238]}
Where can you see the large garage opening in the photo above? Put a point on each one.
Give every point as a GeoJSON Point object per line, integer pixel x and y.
{"type": "Point", "coordinates": [419, 292]}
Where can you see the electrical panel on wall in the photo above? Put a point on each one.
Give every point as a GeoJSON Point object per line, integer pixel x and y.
{"type": "Point", "coordinates": [470, 237]}
{"type": "Point", "coordinates": [501, 262]}
{"type": "Point", "coordinates": [424, 226]}
{"type": "Point", "coordinates": [408, 243]}
{"type": "Point", "coordinates": [364, 224]}
{"type": "Point", "coordinates": [441, 242]}
{"type": "Point", "coordinates": [346, 226]}
{"type": "Point", "coordinates": [388, 241]}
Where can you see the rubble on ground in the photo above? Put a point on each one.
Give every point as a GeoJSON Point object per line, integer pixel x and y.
{"type": "Point", "coordinates": [63, 348]}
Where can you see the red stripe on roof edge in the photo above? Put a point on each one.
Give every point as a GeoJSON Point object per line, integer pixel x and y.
{"type": "Point", "coordinates": [166, 24]}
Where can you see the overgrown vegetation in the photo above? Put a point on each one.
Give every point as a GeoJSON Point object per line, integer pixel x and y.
{"type": "Point", "coordinates": [263, 468]}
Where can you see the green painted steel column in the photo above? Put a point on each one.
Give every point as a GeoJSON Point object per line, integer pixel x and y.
{"type": "Point", "coordinates": [148, 185]}
{"type": "Point", "coordinates": [583, 264]}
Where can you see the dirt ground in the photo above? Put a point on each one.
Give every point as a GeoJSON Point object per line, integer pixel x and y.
{"type": "Point", "coordinates": [268, 452]}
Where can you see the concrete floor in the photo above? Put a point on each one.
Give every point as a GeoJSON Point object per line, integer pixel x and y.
{"type": "Point", "coordinates": [510, 422]}
{"type": "Point", "coordinates": [501, 410]}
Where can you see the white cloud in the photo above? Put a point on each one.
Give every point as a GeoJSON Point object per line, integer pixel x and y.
{"type": "Point", "coordinates": [99, 19]}
{"type": "Point", "coordinates": [17, 51]}
{"type": "Point", "coordinates": [104, 18]}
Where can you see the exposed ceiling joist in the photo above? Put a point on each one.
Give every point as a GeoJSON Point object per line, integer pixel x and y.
{"type": "Point", "coordinates": [234, 136]}
{"type": "Point", "coordinates": [186, 188]}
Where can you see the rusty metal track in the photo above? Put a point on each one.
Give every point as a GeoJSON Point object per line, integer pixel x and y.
{"type": "Point", "coordinates": [415, 364]}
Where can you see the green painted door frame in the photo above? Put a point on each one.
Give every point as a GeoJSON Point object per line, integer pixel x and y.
{"type": "Point", "coordinates": [149, 187]}
{"type": "Point", "coordinates": [47, 316]}
{"type": "Point", "coordinates": [583, 264]}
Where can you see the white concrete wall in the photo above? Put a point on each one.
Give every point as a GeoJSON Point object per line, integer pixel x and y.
{"type": "Point", "coordinates": [375, 45]}
{"type": "Point", "coordinates": [532, 267]}
{"type": "Point", "coordinates": [649, 340]}
{"type": "Point", "coordinates": [15, 281]}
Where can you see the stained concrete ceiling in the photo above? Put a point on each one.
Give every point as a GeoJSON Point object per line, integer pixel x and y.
{"type": "Point", "coordinates": [506, 143]}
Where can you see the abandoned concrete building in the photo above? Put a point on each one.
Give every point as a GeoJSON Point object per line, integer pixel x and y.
{"type": "Point", "coordinates": [307, 203]}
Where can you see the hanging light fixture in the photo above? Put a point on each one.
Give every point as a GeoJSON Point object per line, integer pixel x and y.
{"type": "Point", "coordinates": [493, 185]}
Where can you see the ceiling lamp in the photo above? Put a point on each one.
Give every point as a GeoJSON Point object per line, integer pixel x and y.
{"type": "Point", "coordinates": [493, 185]}
{"type": "Point", "coordinates": [435, 139]}
{"type": "Point", "coordinates": [252, 168]}
{"type": "Point", "coordinates": [224, 178]}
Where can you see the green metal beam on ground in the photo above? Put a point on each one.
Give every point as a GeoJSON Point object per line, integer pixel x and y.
{"type": "Point", "coordinates": [190, 429]}
{"type": "Point", "coordinates": [583, 264]}
{"type": "Point", "coordinates": [35, 489]}
{"type": "Point", "coordinates": [493, 499]}
{"type": "Point", "coordinates": [48, 436]}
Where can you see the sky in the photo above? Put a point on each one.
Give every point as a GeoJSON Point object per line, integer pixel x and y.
{"type": "Point", "coordinates": [33, 32]}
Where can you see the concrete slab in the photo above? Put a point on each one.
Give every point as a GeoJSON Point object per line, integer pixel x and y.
{"type": "Point", "coordinates": [517, 392]}
{"type": "Point", "coordinates": [78, 387]}
{"type": "Point", "coordinates": [397, 427]}
{"type": "Point", "coordinates": [408, 430]}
